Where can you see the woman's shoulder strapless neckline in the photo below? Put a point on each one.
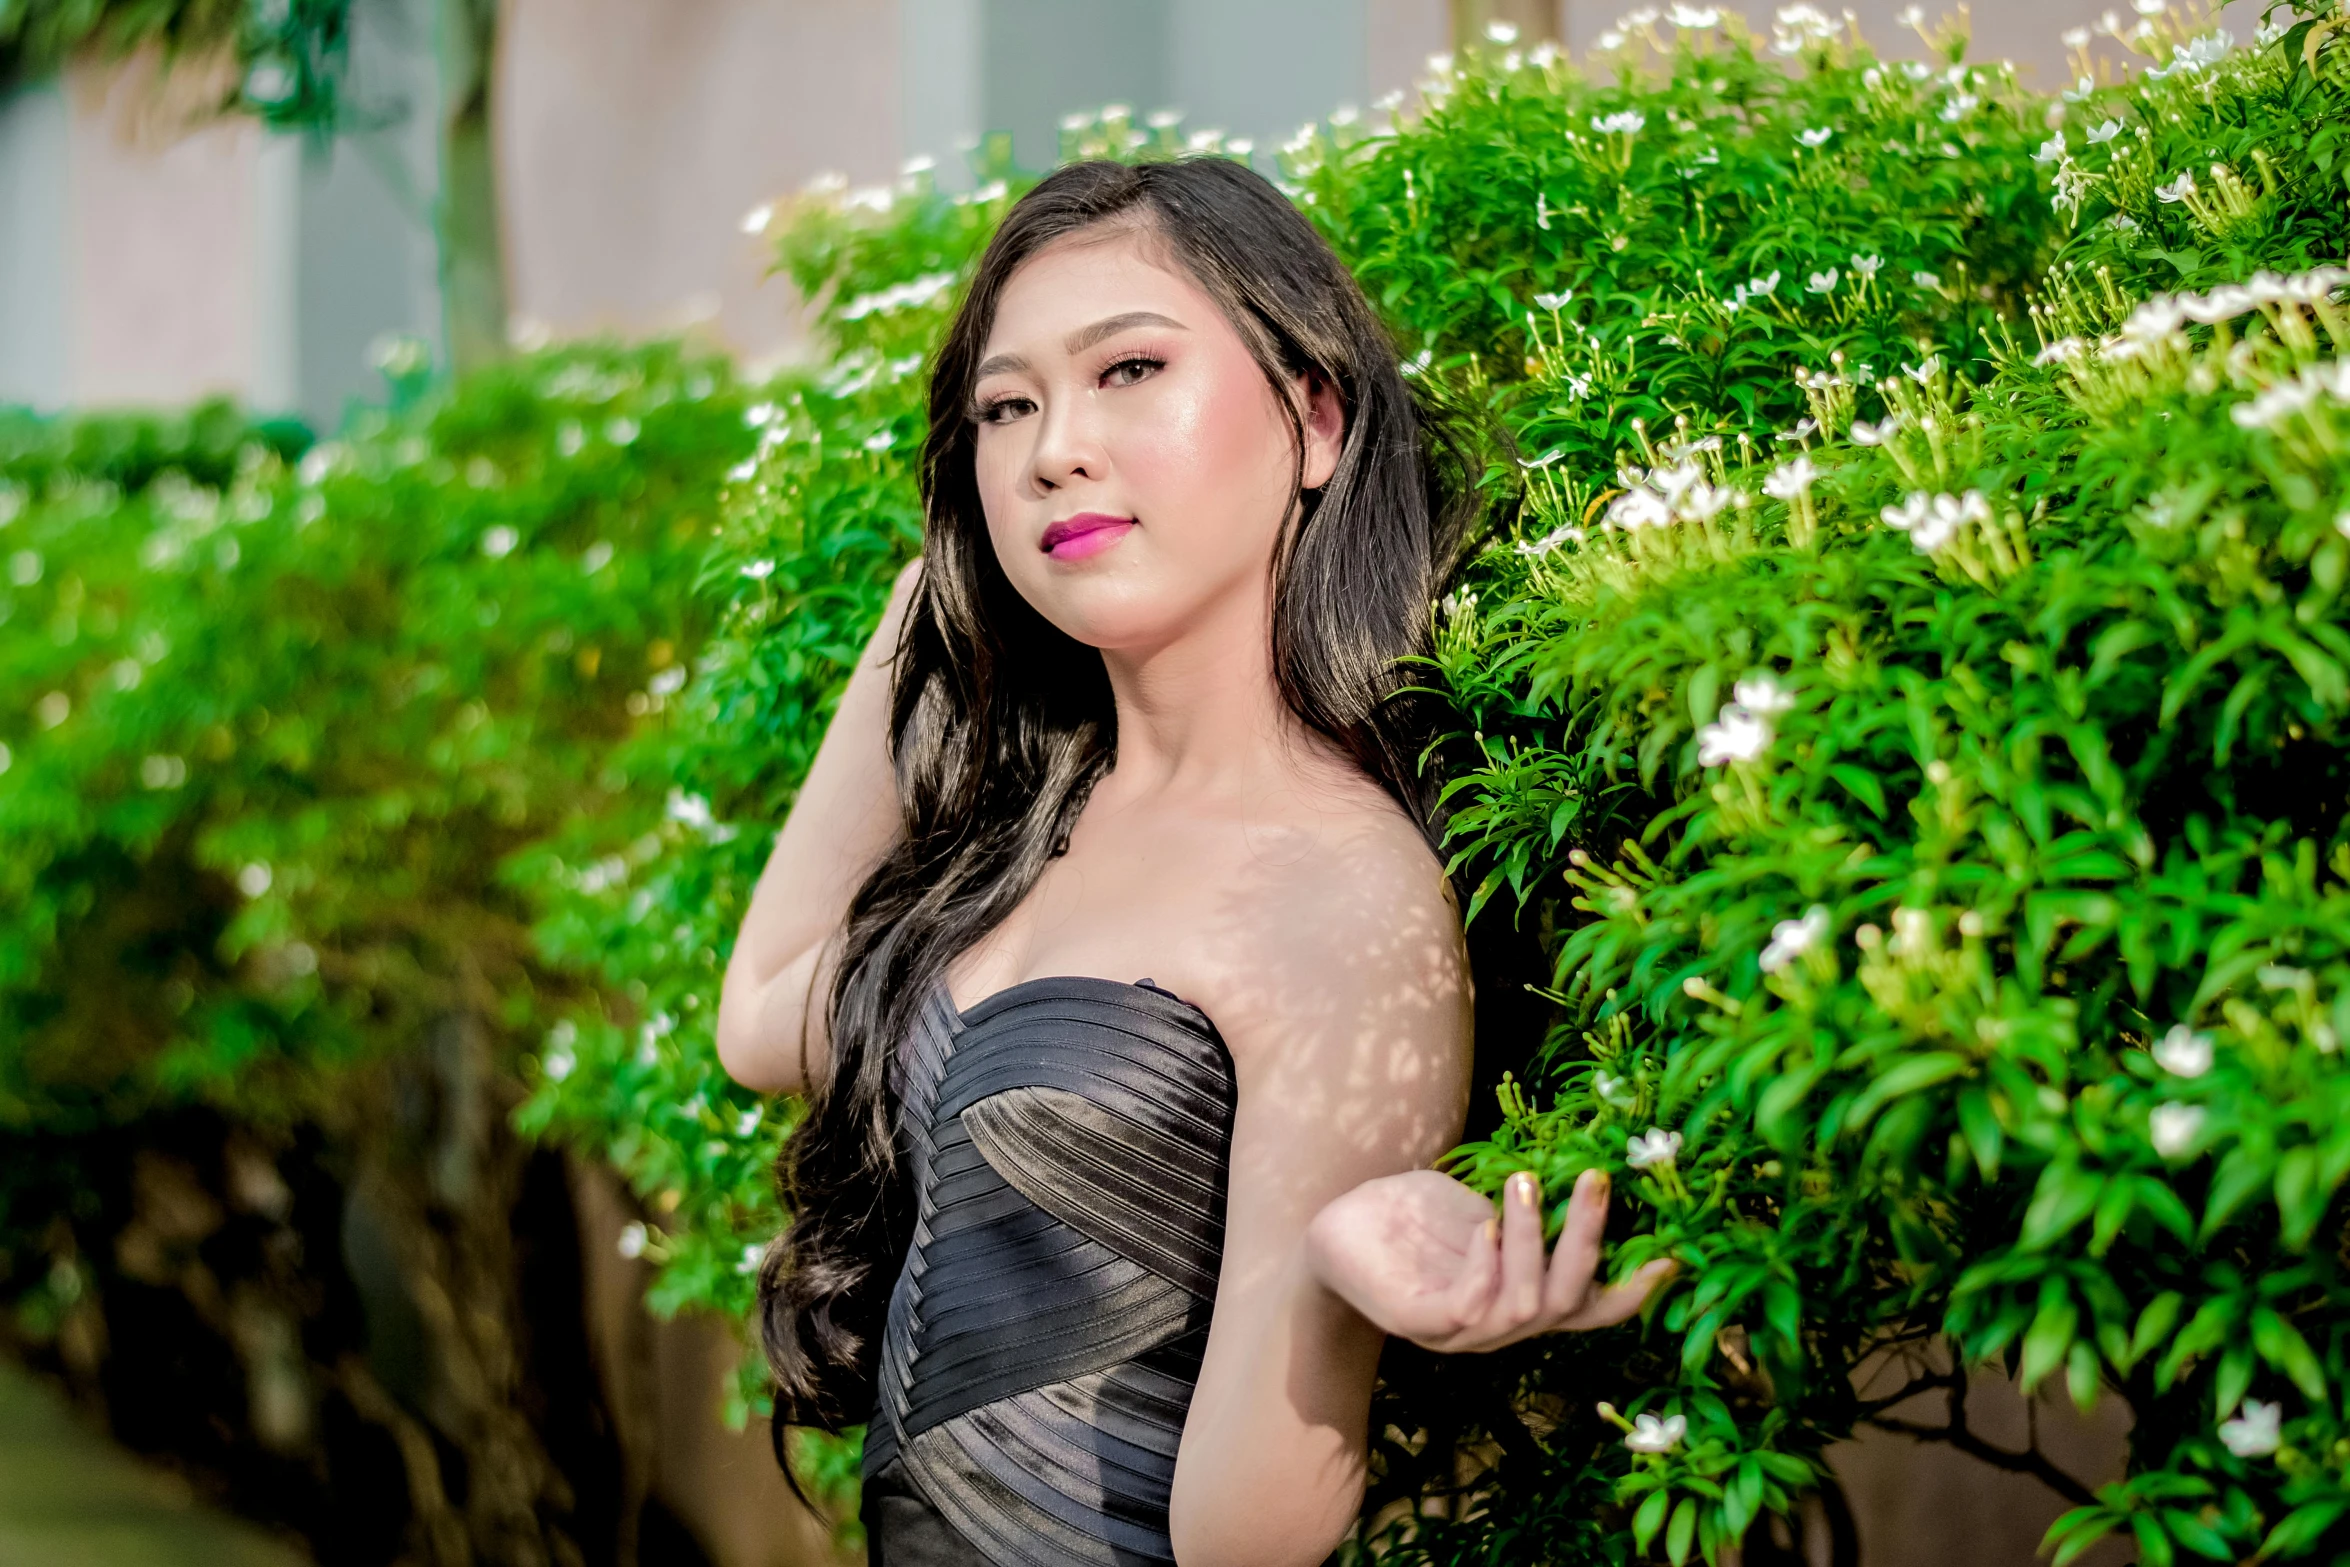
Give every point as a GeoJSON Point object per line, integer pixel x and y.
{"type": "Point", "coordinates": [1068, 1141]}
{"type": "Point", "coordinates": [1143, 993]}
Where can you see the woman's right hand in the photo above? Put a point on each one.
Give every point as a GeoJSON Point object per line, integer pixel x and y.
{"type": "Point", "coordinates": [771, 1033]}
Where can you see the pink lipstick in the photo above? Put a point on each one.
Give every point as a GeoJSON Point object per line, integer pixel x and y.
{"type": "Point", "coordinates": [1087, 533]}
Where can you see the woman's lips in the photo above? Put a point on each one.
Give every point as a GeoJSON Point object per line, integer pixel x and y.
{"type": "Point", "coordinates": [1087, 533]}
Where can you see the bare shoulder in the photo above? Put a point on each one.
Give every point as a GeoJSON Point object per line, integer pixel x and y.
{"type": "Point", "coordinates": [1344, 991]}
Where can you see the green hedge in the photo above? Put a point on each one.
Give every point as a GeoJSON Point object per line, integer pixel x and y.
{"type": "Point", "coordinates": [1911, 690]}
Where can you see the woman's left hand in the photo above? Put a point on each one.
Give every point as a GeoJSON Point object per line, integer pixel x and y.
{"type": "Point", "coordinates": [1423, 1257]}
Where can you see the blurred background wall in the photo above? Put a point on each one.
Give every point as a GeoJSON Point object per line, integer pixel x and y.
{"type": "Point", "coordinates": [143, 260]}
{"type": "Point", "coordinates": [148, 257]}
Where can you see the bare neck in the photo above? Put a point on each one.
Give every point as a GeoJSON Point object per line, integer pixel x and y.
{"type": "Point", "coordinates": [1202, 714]}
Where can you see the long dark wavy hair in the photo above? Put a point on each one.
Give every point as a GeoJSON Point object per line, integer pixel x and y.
{"type": "Point", "coordinates": [1001, 725]}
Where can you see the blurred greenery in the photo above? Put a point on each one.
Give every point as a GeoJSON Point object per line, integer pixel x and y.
{"type": "Point", "coordinates": [290, 55]}
{"type": "Point", "coordinates": [1911, 694]}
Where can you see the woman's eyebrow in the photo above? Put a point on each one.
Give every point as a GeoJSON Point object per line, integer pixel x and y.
{"type": "Point", "coordinates": [1080, 340]}
{"type": "Point", "coordinates": [1086, 336]}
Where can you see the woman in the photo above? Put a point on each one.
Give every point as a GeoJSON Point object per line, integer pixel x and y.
{"type": "Point", "coordinates": [1107, 936]}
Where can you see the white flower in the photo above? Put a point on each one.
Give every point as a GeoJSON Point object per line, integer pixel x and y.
{"type": "Point", "coordinates": [269, 82]}
{"type": "Point", "coordinates": [1608, 42]}
{"type": "Point", "coordinates": [1501, 32]}
{"type": "Point", "coordinates": [748, 1122]}
{"type": "Point", "coordinates": [1867, 266]}
{"type": "Point", "coordinates": [2075, 37]}
{"type": "Point", "coordinates": [2196, 54]}
{"type": "Point", "coordinates": [1557, 301]}
{"type": "Point", "coordinates": [1693, 17]}
{"type": "Point", "coordinates": [1926, 279]}
{"type": "Point", "coordinates": [1822, 282]}
{"type": "Point", "coordinates": [1737, 734]}
{"type": "Point", "coordinates": [1570, 534]}
{"type": "Point", "coordinates": [559, 1063]}
{"type": "Point", "coordinates": [1627, 123]}
{"type": "Point", "coordinates": [2097, 134]}
{"type": "Point", "coordinates": [2061, 352]}
{"type": "Point", "coordinates": [1613, 1090]}
{"type": "Point", "coordinates": [750, 1259]}
{"type": "Point", "coordinates": [1654, 1147]}
{"type": "Point", "coordinates": [2274, 404]}
{"type": "Point", "coordinates": [1932, 521]}
{"type": "Point", "coordinates": [1961, 105]}
{"type": "Point", "coordinates": [667, 682]}
{"type": "Point", "coordinates": [1912, 16]}
{"type": "Point", "coordinates": [2177, 190]}
{"type": "Point", "coordinates": [1877, 434]}
{"type": "Point", "coordinates": [1804, 429]}
{"type": "Point", "coordinates": [1790, 479]}
{"type": "Point", "coordinates": [2257, 1430]}
{"type": "Point", "coordinates": [756, 220]}
{"type": "Point", "coordinates": [632, 1240]}
{"type": "Point", "coordinates": [2172, 1127]}
{"type": "Point", "coordinates": [2051, 150]}
{"type": "Point", "coordinates": [1924, 373]}
{"type": "Point", "coordinates": [2183, 1052]}
{"type": "Point", "coordinates": [1799, 21]}
{"type": "Point", "coordinates": [1817, 137]}
{"type": "Point", "coordinates": [1758, 287]}
{"type": "Point", "coordinates": [1791, 939]}
{"type": "Point", "coordinates": [1651, 1435]}
{"type": "Point", "coordinates": [1762, 695]}
{"type": "Point", "coordinates": [758, 570]}
{"type": "Point", "coordinates": [1640, 508]}
{"type": "Point", "coordinates": [690, 810]}
{"type": "Point", "coordinates": [1677, 480]}
{"type": "Point", "coordinates": [899, 296]}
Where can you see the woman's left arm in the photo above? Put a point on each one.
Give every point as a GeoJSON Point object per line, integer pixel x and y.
{"type": "Point", "coordinates": [1354, 1071]}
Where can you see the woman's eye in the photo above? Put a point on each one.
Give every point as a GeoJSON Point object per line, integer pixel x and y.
{"type": "Point", "coordinates": [1128, 371]}
{"type": "Point", "coordinates": [1003, 410]}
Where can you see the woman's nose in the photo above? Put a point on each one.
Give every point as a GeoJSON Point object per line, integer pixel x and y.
{"type": "Point", "coordinates": [1068, 445]}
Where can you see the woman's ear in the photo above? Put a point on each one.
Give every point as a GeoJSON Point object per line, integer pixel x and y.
{"type": "Point", "coordinates": [1325, 428]}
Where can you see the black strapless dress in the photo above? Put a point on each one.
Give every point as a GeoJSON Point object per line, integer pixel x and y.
{"type": "Point", "coordinates": [1068, 1142]}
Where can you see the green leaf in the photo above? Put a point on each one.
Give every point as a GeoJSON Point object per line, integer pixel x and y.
{"type": "Point", "coordinates": [1650, 1518]}
{"type": "Point", "coordinates": [2303, 1527]}
{"type": "Point", "coordinates": [1862, 785]}
{"type": "Point", "coordinates": [2062, 1198]}
{"type": "Point", "coordinates": [2282, 1346]}
{"type": "Point", "coordinates": [2050, 1337]}
{"type": "Point", "coordinates": [2081, 1375]}
{"type": "Point", "coordinates": [2301, 1197]}
{"type": "Point", "coordinates": [1980, 1125]}
{"type": "Point", "coordinates": [2154, 1545]}
{"type": "Point", "coordinates": [1681, 1531]}
{"type": "Point", "coordinates": [2155, 1322]}
{"type": "Point", "coordinates": [1909, 1077]}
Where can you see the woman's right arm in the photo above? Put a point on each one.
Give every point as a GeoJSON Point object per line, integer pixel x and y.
{"type": "Point", "coordinates": [771, 1017]}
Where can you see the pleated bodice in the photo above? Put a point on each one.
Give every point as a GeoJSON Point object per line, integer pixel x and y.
{"type": "Point", "coordinates": [1067, 1142]}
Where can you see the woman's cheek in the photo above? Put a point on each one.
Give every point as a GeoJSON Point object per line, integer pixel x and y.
{"type": "Point", "coordinates": [1210, 465]}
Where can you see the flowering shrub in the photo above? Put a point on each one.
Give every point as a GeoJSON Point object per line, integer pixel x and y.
{"type": "Point", "coordinates": [1939, 811]}
{"type": "Point", "coordinates": [271, 720]}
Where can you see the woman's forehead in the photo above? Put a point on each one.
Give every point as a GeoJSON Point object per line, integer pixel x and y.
{"type": "Point", "coordinates": [1085, 279]}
